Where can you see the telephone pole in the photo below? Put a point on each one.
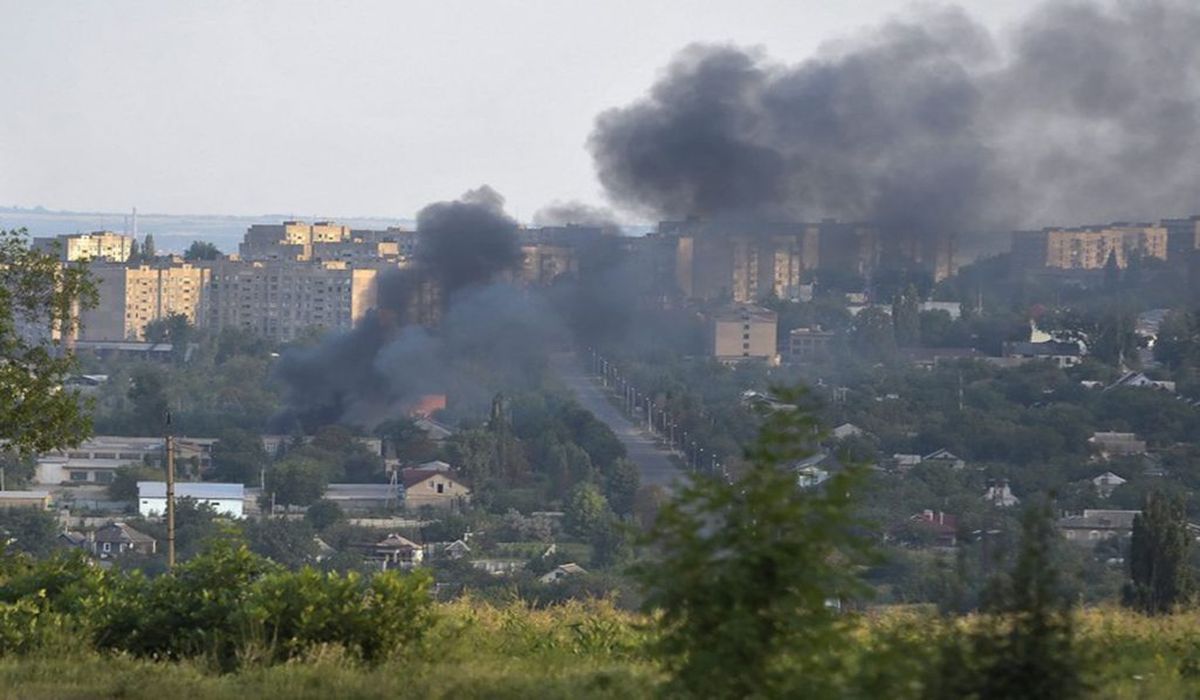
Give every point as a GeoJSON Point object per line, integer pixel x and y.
{"type": "Point", "coordinates": [170, 449]}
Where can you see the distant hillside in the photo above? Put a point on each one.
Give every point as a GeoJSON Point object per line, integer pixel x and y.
{"type": "Point", "coordinates": [172, 232]}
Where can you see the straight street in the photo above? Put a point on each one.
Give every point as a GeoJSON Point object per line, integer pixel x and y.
{"type": "Point", "coordinates": [652, 459]}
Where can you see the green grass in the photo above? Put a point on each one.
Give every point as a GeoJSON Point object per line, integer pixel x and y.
{"type": "Point", "coordinates": [571, 651]}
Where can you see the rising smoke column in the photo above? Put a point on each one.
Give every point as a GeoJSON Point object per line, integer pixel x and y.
{"type": "Point", "coordinates": [1084, 111]}
{"type": "Point", "coordinates": [366, 374]}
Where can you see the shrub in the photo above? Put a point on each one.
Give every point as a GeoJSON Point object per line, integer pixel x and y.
{"type": "Point", "coordinates": [371, 617]}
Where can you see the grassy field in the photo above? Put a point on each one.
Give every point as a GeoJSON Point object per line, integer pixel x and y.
{"type": "Point", "coordinates": [579, 651]}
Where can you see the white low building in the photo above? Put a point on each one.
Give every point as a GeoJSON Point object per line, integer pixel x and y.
{"type": "Point", "coordinates": [227, 499]}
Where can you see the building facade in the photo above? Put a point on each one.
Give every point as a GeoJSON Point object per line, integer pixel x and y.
{"type": "Point", "coordinates": [743, 332]}
{"type": "Point", "coordinates": [97, 459]}
{"type": "Point", "coordinates": [96, 246]}
{"type": "Point", "coordinates": [279, 299]}
{"type": "Point", "coordinates": [1088, 247]}
{"type": "Point", "coordinates": [132, 297]}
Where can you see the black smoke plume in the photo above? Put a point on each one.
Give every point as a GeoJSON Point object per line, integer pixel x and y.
{"type": "Point", "coordinates": [368, 374]}
{"type": "Point", "coordinates": [1082, 112]}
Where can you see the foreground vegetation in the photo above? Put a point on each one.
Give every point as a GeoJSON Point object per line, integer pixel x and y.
{"type": "Point", "coordinates": [592, 650]}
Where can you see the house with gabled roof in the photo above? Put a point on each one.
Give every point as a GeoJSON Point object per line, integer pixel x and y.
{"type": "Point", "coordinates": [944, 457]}
{"type": "Point", "coordinates": [433, 487]}
{"type": "Point", "coordinates": [561, 572]}
{"type": "Point", "coordinates": [117, 538]}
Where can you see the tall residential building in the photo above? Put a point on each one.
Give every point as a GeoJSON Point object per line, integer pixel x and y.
{"type": "Point", "coordinates": [742, 264]}
{"type": "Point", "coordinates": [132, 297]}
{"type": "Point", "coordinates": [1088, 247]}
{"type": "Point", "coordinates": [291, 240]}
{"type": "Point", "coordinates": [98, 246]}
{"type": "Point", "coordinates": [1183, 235]}
{"type": "Point", "coordinates": [743, 332]}
{"type": "Point", "coordinates": [281, 299]}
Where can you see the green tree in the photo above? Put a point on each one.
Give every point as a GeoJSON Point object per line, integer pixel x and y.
{"type": "Point", "coordinates": [610, 544]}
{"type": "Point", "coordinates": [149, 253]}
{"type": "Point", "coordinates": [148, 394]}
{"type": "Point", "coordinates": [1178, 341]}
{"type": "Point", "coordinates": [39, 299]}
{"type": "Point", "coordinates": [323, 514]}
{"type": "Point", "coordinates": [621, 486]}
{"type": "Point", "coordinates": [873, 334]}
{"type": "Point", "coordinates": [175, 329]}
{"type": "Point", "coordinates": [906, 317]}
{"type": "Point", "coordinates": [1027, 650]}
{"type": "Point", "coordinates": [284, 542]}
{"type": "Point", "coordinates": [745, 572]}
{"type": "Point", "coordinates": [296, 480]}
{"type": "Point", "coordinates": [1158, 556]}
{"type": "Point", "coordinates": [238, 456]}
{"type": "Point", "coordinates": [586, 510]}
{"type": "Point", "coordinates": [201, 250]}
{"type": "Point", "coordinates": [28, 530]}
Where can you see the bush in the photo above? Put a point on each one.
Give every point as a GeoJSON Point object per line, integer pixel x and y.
{"type": "Point", "coordinates": [371, 617]}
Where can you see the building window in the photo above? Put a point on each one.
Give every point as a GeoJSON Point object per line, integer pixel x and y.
{"type": "Point", "coordinates": [441, 488]}
{"type": "Point", "coordinates": [108, 546]}
{"type": "Point", "coordinates": [79, 476]}
{"type": "Point", "coordinates": [745, 346]}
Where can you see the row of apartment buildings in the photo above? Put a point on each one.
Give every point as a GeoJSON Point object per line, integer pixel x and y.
{"type": "Point", "coordinates": [1090, 247]}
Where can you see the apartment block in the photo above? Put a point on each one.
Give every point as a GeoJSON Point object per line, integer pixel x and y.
{"type": "Point", "coordinates": [132, 297]}
{"type": "Point", "coordinates": [1088, 247]}
{"type": "Point", "coordinates": [290, 240]}
{"type": "Point", "coordinates": [281, 299]}
{"type": "Point", "coordinates": [743, 332]}
{"type": "Point", "coordinates": [96, 246]}
{"type": "Point", "coordinates": [1183, 235]}
{"type": "Point", "coordinates": [743, 264]}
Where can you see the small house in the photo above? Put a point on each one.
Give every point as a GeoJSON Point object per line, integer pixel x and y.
{"type": "Point", "coordinates": [1000, 495]}
{"type": "Point", "coordinates": [396, 552]}
{"type": "Point", "coordinates": [1106, 483]}
{"type": "Point", "coordinates": [433, 487]}
{"type": "Point", "coordinates": [944, 458]}
{"type": "Point", "coordinates": [116, 539]}
{"type": "Point", "coordinates": [561, 572]}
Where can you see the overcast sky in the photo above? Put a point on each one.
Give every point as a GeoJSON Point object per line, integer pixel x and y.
{"type": "Point", "coordinates": [350, 108]}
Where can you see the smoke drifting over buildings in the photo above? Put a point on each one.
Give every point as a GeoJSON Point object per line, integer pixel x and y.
{"type": "Point", "coordinates": [927, 125]}
{"type": "Point", "coordinates": [368, 374]}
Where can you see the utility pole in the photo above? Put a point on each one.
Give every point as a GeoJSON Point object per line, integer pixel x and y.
{"type": "Point", "coordinates": [170, 450]}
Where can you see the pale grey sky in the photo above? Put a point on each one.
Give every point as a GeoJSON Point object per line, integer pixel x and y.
{"type": "Point", "coordinates": [350, 108]}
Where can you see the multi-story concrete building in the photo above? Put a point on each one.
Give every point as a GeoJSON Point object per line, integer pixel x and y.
{"type": "Point", "coordinates": [809, 345]}
{"type": "Point", "coordinates": [1088, 247]}
{"type": "Point", "coordinates": [743, 332]}
{"type": "Point", "coordinates": [98, 245]}
{"type": "Point", "coordinates": [131, 297]}
{"type": "Point", "coordinates": [291, 240]}
{"type": "Point", "coordinates": [279, 299]}
{"type": "Point", "coordinates": [1183, 235]}
{"type": "Point", "coordinates": [743, 264]}
{"type": "Point", "coordinates": [98, 458]}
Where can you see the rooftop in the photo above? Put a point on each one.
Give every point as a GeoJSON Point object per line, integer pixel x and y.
{"type": "Point", "coordinates": [190, 489]}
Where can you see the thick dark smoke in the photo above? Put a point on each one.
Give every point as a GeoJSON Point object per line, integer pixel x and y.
{"type": "Point", "coordinates": [370, 373]}
{"type": "Point", "coordinates": [467, 242]}
{"type": "Point", "coordinates": [1085, 112]}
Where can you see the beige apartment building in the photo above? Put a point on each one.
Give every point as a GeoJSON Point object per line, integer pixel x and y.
{"type": "Point", "coordinates": [1088, 247]}
{"type": "Point", "coordinates": [98, 245]}
{"type": "Point", "coordinates": [743, 332]}
{"type": "Point", "coordinates": [132, 297]}
{"type": "Point", "coordinates": [291, 240]}
{"type": "Point", "coordinates": [279, 300]}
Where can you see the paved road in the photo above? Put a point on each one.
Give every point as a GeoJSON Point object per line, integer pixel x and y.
{"type": "Point", "coordinates": [653, 460]}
